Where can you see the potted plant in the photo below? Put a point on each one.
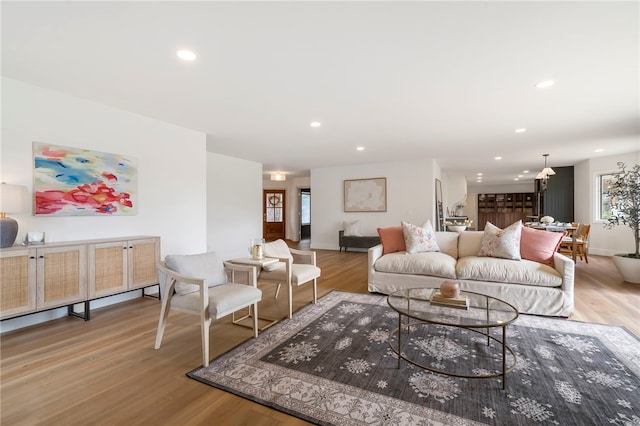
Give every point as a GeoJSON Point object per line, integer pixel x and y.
{"type": "Point", "coordinates": [624, 196]}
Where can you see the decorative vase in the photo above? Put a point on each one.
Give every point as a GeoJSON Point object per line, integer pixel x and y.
{"type": "Point", "coordinates": [628, 267]}
{"type": "Point", "coordinates": [450, 289]}
{"type": "Point", "coordinates": [256, 248]}
{"type": "Point", "coordinates": [456, 228]}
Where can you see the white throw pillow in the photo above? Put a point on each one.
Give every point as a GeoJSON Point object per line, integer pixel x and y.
{"type": "Point", "coordinates": [502, 243]}
{"type": "Point", "coordinates": [419, 239]}
{"type": "Point", "coordinates": [352, 229]}
{"type": "Point", "coordinates": [208, 266]}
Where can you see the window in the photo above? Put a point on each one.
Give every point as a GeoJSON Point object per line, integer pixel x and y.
{"type": "Point", "coordinates": [305, 208]}
{"type": "Point", "coordinates": [604, 201]}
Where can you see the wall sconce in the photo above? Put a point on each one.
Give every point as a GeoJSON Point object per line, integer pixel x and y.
{"type": "Point", "coordinates": [278, 176]}
{"type": "Point", "coordinates": [12, 200]}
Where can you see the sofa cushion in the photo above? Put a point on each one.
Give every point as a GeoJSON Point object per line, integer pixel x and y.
{"type": "Point", "coordinates": [426, 263]}
{"type": "Point", "coordinates": [448, 243]}
{"type": "Point", "coordinates": [208, 266]}
{"type": "Point", "coordinates": [469, 243]}
{"type": "Point", "coordinates": [392, 239]}
{"type": "Point", "coordinates": [491, 269]}
{"type": "Point", "coordinates": [538, 245]}
{"type": "Point", "coordinates": [501, 243]}
{"type": "Point", "coordinates": [418, 239]}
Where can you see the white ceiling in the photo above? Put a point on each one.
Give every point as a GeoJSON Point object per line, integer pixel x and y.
{"type": "Point", "coordinates": [444, 80]}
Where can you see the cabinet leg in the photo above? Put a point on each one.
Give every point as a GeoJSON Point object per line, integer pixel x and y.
{"type": "Point", "coordinates": [86, 315]}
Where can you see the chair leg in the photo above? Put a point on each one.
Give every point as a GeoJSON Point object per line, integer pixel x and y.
{"type": "Point", "coordinates": [277, 291]}
{"type": "Point", "coordinates": [586, 258]}
{"type": "Point", "coordinates": [162, 322]}
{"type": "Point", "coordinates": [290, 301]}
{"type": "Point", "coordinates": [315, 290]}
{"type": "Point", "coordinates": [206, 323]}
{"type": "Point", "coordinates": [255, 320]}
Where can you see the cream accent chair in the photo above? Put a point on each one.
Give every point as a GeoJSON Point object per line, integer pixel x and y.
{"type": "Point", "coordinates": [288, 272]}
{"type": "Point", "coordinates": [198, 284]}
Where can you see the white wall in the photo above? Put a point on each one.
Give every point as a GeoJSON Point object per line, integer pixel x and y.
{"type": "Point", "coordinates": [234, 204]}
{"type": "Point", "coordinates": [455, 193]}
{"type": "Point", "coordinates": [601, 241]}
{"type": "Point", "coordinates": [171, 164]}
{"type": "Point", "coordinates": [410, 197]}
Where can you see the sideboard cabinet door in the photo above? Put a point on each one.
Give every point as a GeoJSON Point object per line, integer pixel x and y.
{"type": "Point", "coordinates": [143, 256]}
{"type": "Point", "coordinates": [17, 282]}
{"type": "Point", "coordinates": [107, 268]}
{"type": "Point", "coordinates": [61, 275]}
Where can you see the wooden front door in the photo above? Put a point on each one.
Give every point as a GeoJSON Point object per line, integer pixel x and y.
{"type": "Point", "coordinates": [273, 214]}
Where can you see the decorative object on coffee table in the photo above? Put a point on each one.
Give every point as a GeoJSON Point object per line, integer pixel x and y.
{"type": "Point", "coordinates": [449, 288]}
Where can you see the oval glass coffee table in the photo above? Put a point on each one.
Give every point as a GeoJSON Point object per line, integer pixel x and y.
{"type": "Point", "coordinates": [453, 331]}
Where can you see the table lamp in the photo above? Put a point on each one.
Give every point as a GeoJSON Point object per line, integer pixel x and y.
{"type": "Point", "coordinates": [12, 200]}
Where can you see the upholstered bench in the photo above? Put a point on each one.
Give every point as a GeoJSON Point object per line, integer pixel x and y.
{"type": "Point", "coordinates": [357, 242]}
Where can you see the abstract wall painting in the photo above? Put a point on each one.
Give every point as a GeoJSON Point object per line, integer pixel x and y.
{"type": "Point", "coordinates": [80, 182]}
{"type": "Point", "coordinates": [365, 195]}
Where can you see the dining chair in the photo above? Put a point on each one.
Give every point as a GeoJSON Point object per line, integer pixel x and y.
{"type": "Point", "coordinates": [288, 272]}
{"type": "Point", "coordinates": [198, 284]}
{"type": "Point", "coordinates": [578, 244]}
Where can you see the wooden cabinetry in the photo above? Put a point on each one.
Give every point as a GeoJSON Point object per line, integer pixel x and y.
{"type": "Point", "coordinates": [504, 209]}
{"type": "Point", "coordinates": [118, 266]}
{"type": "Point", "coordinates": [41, 278]}
{"type": "Point", "coordinates": [62, 274]}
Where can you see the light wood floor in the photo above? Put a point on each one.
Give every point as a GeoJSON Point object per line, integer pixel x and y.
{"type": "Point", "coordinates": [106, 372]}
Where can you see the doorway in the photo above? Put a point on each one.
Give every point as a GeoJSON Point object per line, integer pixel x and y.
{"type": "Point", "coordinates": [305, 213]}
{"type": "Point", "coordinates": [273, 214]}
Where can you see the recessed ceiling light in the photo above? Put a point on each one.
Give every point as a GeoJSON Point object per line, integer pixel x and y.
{"type": "Point", "coordinates": [360, 148]}
{"type": "Point", "coordinates": [521, 130]}
{"type": "Point", "coordinates": [316, 124]}
{"type": "Point", "coordinates": [497, 158]}
{"type": "Point", "coordinates": [599, 150]}
{"type": "Point", "coordinates": [545, 84]}
{"type": "Point", "coordinates": [186, 55]}
{"type": "Point", "coordinates": [520, 176]}
{"type": "Point", "coordinates": [516, 178]}
{"type": "Point", "coordinates": [525, 171]}
{"type": "Point", "coordinates": [479, 174]}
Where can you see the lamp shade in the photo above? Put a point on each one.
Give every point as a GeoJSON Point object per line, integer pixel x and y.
{"type": "Point", "coordinates": [12, 198]}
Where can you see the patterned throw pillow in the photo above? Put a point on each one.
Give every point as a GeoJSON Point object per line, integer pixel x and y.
{"type": "Point", "coordinates": [419, 239]}
{"type": "Point", "coordinates": [502, 243]}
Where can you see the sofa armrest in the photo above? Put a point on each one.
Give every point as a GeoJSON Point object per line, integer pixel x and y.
{"type": "Point", "coordinates": [374, 253]}
{"type": "Point", "coordinates": [566, 267]}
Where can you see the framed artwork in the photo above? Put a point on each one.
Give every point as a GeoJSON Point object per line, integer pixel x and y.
{"type": "Point", "coordinates": [365, 195]}
{"type": "Point", "coordinates": [80, 182]}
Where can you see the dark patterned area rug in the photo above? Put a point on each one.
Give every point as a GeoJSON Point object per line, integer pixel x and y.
{"type": "Point", "coordinates": [331, 364]}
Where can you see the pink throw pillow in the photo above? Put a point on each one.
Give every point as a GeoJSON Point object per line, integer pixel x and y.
{"type": "Point", "coordinates": [392, 239]}
{"type": "Point", "coordinates": [540, 246]}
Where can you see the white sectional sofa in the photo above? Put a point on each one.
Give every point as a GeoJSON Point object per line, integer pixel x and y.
{"type": "Point", "coordinates": [532, 287]}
